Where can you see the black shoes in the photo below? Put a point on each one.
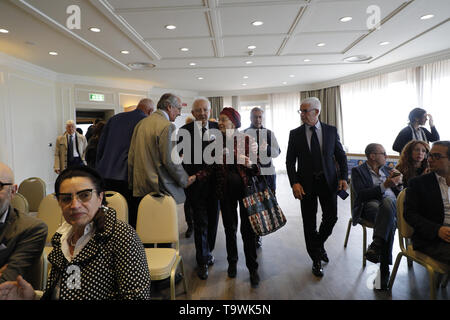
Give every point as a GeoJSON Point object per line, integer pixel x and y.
{"type": "Point", "coordinates": [373, 253]}
{"type": "Point", "coordinates": [258, 242]}
{"type": "Point", "coordinates": [254, 279]}
{"type": "Point", "coordinates": [202, 272]}
{"type": "Point", "coordinates": [232, 270]}
{"type": "Point", "coordinates": [324, 256]}
{"type": "Point", "coordinates": [317, 269]}
{"type": "Point", "coordinates": [189, 232]}
{"type": "Point", "coordinates": [211, 260]}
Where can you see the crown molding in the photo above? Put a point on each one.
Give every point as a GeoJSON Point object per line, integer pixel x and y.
{"type": "Point", "coordinates": [27, 67]}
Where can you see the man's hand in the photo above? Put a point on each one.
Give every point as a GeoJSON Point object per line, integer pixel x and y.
{"type": "Point", "coordinates": [191, 180]}
{"type": "Point", "coordinates": [395, 178]}
{"type": "Point", "coordinates": [444, 233]}
{"type": "Point", "coordinates": [16, 290]}
{"type": "Point", "coordinates": [342, 185]}
{"type": "Point", "coordinates": [2, 269]}
{"type": "Point", "coordinates": [298, 191]}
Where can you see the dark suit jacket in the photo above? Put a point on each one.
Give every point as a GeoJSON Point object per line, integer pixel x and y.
{"type": "Point", "coordinates": [195, 136]}
{"type": "Point", "coordinates": [362, 184]}
{"type": "Point", "coordinates": [298, 153]}
{"type": "Point", "coordinates": [22, 240]}
{"type": "Point", "coordinates": [406, 136]}
{"type": "Point", "coordinates": [424, 210]}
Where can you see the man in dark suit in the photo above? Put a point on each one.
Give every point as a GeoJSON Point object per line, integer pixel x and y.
{"type": "Point", "coordinates": [314, 147]}
{"type": "Point", "coordinates": [22, 237]}
{"type": "Point", "coordinates": [201, 195]}
{"type": "Point", "coordinates": [376, 188]}
{"type": "Point", "coordinates": [427, 207]}
{"type": "Point", "coordinates": [112, 152]}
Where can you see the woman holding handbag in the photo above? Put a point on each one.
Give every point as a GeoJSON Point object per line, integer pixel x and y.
{"type": "Point", "coordinates": [231, 177]}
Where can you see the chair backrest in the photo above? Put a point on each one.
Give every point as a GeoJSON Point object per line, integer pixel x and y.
{"type": "Point", "coordinates": [118, 203]}
{"type": "Point", "coordinates": [157, 220]}
{"type": "Point", "coordinates": [20, 203]}
{"type": "Point", "coordinates": [50, 212]}
{"type": "Point", "coordinates": [352, 196]}
{"type": "Point", "coordinates": [37, 273]}
{"type": "Point", "coordinates": [34, 190]}
{"type": "Point", "coordinates": [404, 229]}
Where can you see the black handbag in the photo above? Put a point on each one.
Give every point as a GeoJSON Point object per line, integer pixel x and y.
{"type": "Point", "coordinates": [264, 213]}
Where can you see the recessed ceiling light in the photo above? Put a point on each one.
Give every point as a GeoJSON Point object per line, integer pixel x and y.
{"type": "Point", "coordinates": [306, 60]}
{"type": "Point", "coordinates": [291, 76]}
{"type": "Point", "coordinates": [4, 31]}
{"type": "Point", "coordinates": [345, 19]}
{"type": "Point", "coordinates": [358, 58]}
{"type": "Point", "coordinates": [249, 62]}
{"type": "Point", "coordinates": [95, 29]}
{"type": "Point", "coordinates": [53, 53]}
{"type": "Point", "coordinates": [244, 84]}
{"type": "Point", "coordinates": [257, 23]}
{"type": "Point", "coordinates": [427, 16]}
{"type": "Point", "coordinates": [245, 77]}
{"type": "Point", "coordinates": [251, 47]}
{"type": "Point", "coordinates": [125, 52]}
{"type": "Point", "coordinates": [170, 27]}
{"type": "Point", "coordinates": [184, 49]}
{"type": "Point", "coordinates": [200, 78]}
{"type": "Point", "coordinates": [284, 82]}
{"type": "Point", "coordinates": [384, 43]}
{"type": "Point", "coordinates": [192, 64]}
{"type": "Point", "coordinates": [321, 44]}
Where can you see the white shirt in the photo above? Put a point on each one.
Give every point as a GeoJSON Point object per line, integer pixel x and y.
{"type": "Point", "coordinates": [445, 193]}
{"type": "Point", "coordinates": [3, 218]}
{"type": "Point", "coordinates": [165, 114]}
{"type": "Point", "coordinates": [378, 180]}
{"type": "Point", "coordinates": [318, 132]}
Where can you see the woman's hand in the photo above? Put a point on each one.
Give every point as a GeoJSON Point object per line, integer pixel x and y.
{"type": "Point", "coordinates": [16, 290]}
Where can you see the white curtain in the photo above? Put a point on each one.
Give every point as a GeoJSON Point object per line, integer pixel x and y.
{"type": "Point", "coordinates": [281, 118]}
{"type": "Point", "coordinates": [377, 108]}
{"type": "Point", "coordinates": [436, 86]}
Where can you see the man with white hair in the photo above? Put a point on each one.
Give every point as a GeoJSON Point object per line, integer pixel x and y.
{"type": "Point", "coordinates": [313, 151]}
{"type": "Point", "coordinates": [201, 195]}
{"type": "Point", "coordinates": [70, 148]}
{"type": "Point", "coordinates": [22, 237]}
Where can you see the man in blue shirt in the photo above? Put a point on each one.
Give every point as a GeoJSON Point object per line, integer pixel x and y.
{"type": "Point", "coordinates": [112, 152]}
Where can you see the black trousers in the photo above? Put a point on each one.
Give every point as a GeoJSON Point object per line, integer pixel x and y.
{"type": "Point", "coordinates": [203, 201]}
{"type": "Point", "coordinates": [74, 162]}
{"type": "Point", "coordinates": [122, 188]}
{"type": "Point", "coordinates": [328, 201]}
{"type": "Point", "coordinates": [228, 205]}
{"type": "Point", "coordinates": [188, 212]}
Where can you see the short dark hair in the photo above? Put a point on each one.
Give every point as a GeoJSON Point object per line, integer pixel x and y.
{"type": "Point", "coordinates": [371, 148]}
{"type": "Point", "coordinates": [415, 114]}
{"type": "Point", "coordinates": [444, 143]}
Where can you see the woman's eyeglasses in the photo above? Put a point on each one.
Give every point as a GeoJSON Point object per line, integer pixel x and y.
{"type": "Point", "coordinates": [67, 198]}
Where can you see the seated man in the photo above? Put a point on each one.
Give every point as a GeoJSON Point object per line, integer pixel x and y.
{"type": "Point", "coordinates": [427, 207]}
{"type": "Point", "coordinates": [22, 237]}
{"type": "Point", "coordinates": [376, 191]}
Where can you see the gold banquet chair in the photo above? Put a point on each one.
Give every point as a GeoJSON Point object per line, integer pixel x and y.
{"type": "Point", "coordinates": [39, 273]}
{"type": "Point", "coordinates": [362, 222]}
{"type": "Point", "coordinates": [20, 203]}
{"type": "Point", "coordinates": [50, 212]}
{"type": "Point", "coordinates": [34, 190]}
{"type": "Point", "coordinates": [405, 231]}
{"type": "Point", "coordinates": [118, 203]}
{"type": "Point", "coordinates": [157, 222]}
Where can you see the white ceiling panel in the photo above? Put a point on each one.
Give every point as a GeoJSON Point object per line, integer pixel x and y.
{"type": "Point", "coordinates": [334, 42]}
{"type": "Point", "coordinates": [265, 45]}
{"type": "Point", "coordinates": [133, 4]}
{"type": "Point", "coordinates": [170, 48]}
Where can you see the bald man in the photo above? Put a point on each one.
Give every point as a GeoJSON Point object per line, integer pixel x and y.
{"type": "Point", "coordinates": [22, 238]}
{"type": "Point", "coordinates": [112, 152]}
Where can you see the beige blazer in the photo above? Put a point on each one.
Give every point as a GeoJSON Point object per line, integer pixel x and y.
{"type": "Point", "coordinates": [61, 150]}
{"type": "Point", "coordinates": [151, 166]}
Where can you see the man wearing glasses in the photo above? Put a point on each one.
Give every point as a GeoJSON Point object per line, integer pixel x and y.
{"type": "Point", "coordinates": [376, 187]}
{"type": "Point", "coordinates": [22, 237]}
{"type": "Point", "coordinates": [313, 150]}
{"type": "Point", "coordinates": [427, 207]}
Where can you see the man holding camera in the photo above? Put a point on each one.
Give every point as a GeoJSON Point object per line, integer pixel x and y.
{"type": "Point", "coordinates": [376, 191]}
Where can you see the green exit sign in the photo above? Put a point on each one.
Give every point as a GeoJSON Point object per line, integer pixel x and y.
{"type": "Point", "coordinates": [96, 97]}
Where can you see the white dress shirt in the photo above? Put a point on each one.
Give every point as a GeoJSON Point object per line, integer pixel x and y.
{"type": "Point", "coordinates": [445, 193]}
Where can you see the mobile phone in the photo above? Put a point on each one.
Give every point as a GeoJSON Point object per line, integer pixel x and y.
{"type": "Point", "coordinates": [395, 174]}
{"type": "Point", "coordinates": [342, 194]}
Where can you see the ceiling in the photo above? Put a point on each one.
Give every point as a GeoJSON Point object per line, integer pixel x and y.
{"type": "Point", "coordinates": [217, 34]}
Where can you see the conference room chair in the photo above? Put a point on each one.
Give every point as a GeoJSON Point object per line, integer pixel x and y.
{"type": "Point", "coordinates": [39, 273]}
{"type": "Point", "coordinates": [118, 203]}
{"type": "Point", "coordinates": [405, 231]}
{"type": "Point", "coordinates": [362, 222]}
{"type": "Point", "coordinates": [34, 190]}
{"type": "Point", "coordinates": [157, 222]}
{"type": "Point", "coordinates": [50, 212]}
{"type": "Point", "coordinates": [20, 203]}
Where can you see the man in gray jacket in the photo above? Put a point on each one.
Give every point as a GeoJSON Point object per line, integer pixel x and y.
{"type": "Point", "coordinates": [153, 162]}
{"type": "Point", "coordinates": [22, 237]}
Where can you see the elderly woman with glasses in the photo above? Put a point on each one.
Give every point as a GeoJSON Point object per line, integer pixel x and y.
{"type": "Point", "coordinates": [94, 256]}
{"type": "Point", "coordinates": [413, 160]}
